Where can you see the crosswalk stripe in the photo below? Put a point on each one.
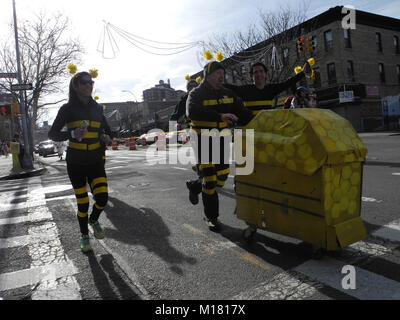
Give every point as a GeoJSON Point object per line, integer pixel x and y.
{"type": "Point", "coordinates": [22, 241]}
{"type": "Point", "coordinates": [38, 216]}
{"type": "Point", "coordinates": [369, 285]}
{"type": "Point", "coordinates": [35, 275]}
{"type": "Point", "coordinates": [284, 286]}
{"type": "Point", "coordinates": [52, 273]}
{"type": "Point", "coordinates": [390, 232]}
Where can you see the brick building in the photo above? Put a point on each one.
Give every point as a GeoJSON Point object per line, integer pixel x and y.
{"type": "Point", "coordinates": [355, 68]}
{"type": "Point", "coordinates": [162, 92]}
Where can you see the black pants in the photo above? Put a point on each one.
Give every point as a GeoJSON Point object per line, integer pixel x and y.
{"type": "Point", "coordinates": [213, 176]}
{"type": "Point", "coordinates": [95, 175]}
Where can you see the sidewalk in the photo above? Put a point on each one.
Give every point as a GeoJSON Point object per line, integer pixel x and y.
{"type": "Point", "coordinates": [6, 172]}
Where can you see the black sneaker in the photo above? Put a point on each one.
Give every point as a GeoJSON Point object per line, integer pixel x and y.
{"type": "Point", "coordinates": [193, 197]}
{"type": "Point", "coordinates": [213, 224]}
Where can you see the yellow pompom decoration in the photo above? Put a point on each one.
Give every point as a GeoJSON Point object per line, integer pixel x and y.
{"type": "Point", "coordinates": [198, 79]}
{"type": "Point", "coordinates": [311, 62]}
{"type": "Point", "coordinates": [187, 77]}
{"type": "Point", "coordinates": [96, 98]}
{"type": "Point", "coordinates": [72, 68]}
{"type": "Point", "coordinates": [298, 69]}
{"type": "Point", "coordinates": [219, 56]}
{"type": "Point", "coordinates": [208, 55]}
{"type": "Point", "coordinates": [94, 73]}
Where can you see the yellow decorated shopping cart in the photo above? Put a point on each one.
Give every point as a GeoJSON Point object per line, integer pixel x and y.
{"type": "Point", "coordinates": [307, 178]}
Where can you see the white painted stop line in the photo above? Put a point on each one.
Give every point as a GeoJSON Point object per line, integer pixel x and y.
{"type": "Point", "coordinates": [396, 173]}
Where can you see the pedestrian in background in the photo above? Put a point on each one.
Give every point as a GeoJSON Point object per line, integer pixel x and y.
{"type": "Point", "coordinates": [85, 122]}
{"type": "Point", "coordinates": [60, 149]}
{"type": "Point", "coordinates": [5, 148]}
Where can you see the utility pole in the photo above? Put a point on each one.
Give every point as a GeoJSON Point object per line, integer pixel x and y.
{"type": "Point", "coordinates": [27, 159]}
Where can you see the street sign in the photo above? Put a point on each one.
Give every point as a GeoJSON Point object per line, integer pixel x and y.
{"type": "Point", "coordinates": [18, 87]}
{"type": "Point", "coordinates": [8, 75]}
{"type": "Point", "coordinates": [346, 96]}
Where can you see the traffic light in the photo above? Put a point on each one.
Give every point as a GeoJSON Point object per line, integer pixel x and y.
{"type": "Point", "coordinates": [300, 45]}
{"type": "Point", "coordinates": [5, 110]}
{"type": "Point", "coordinates": [309, 44]}
{"type": "Point", "coordinates": [15, 108]}
{"type": "Point", "coordinates": [313, 43]}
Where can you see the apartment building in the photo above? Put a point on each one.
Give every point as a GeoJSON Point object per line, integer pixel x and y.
{"type": "Point", "coordinates": [354, 68]}
{"type": "Point", "coordinates": [162, 92]}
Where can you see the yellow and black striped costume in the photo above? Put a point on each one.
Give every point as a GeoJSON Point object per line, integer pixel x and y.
{"type": "Point", "coordinates": [263, 99]}
{"type": "Point", "coordinates": [85, 163]}
{"type": "Point", "coordinates": [204, 107]}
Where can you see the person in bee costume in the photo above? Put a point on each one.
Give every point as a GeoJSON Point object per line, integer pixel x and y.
{"type": "Point", "coordinates": [85, 124]}
{"type": "Point", "coordinates": [179, 114]}
{"type": "Point", "coordinates": [212, 106]}
{"type": "Point", "coordinates": [259, 95]}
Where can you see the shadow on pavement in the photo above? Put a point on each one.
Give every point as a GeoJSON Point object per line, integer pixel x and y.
{"type": "Point", "coordinates": [106, 278]}
{"type": "Point", "coordinates": [144, 227]}
{"type": "Point", "coordinates": [285, 255]}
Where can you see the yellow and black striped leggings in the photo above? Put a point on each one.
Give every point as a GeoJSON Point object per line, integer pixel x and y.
{"type": "Point", "coordinates": [213, 176]}
{"type": "Point", "coordinates": [95, 176]}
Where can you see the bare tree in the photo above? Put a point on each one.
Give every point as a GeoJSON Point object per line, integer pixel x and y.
{"type": "Point", "coordinates": [256, 43]}
{"type": "Point", "coordinates": [45, 50]}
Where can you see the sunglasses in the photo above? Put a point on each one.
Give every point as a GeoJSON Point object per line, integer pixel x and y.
{"type": "Point", "coordinates": [83, 82]}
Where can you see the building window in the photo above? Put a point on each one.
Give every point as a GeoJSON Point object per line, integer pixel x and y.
{"type": "Point", "coordinates": [396, 44]}
{"type": "Point", "coordinates": [331, 73]}
{"type": "Point", "coordinates": [350, 70]}
{"type": "Point", "coordinates": [317, 81]}
{"type": "Point", "coordinates": [285, 54]}
{"type": "Point", "coordinates": [234, 76]}
{"type": "Point", "coordinates": [398, 73]}
{"type": "Point", "coordinates": [243, 71]}
{"type": "Point", "coordinates": [378, 42]}
{"type": "Point", "coordinates": [382, 72]}
{"type": "Point", "coordinates": [328, 40]}
{"type": "Point", "coordinates": [347, 39]}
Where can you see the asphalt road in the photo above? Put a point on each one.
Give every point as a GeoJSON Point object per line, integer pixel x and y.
{"type": "Point", "coordinates": [157, 245]}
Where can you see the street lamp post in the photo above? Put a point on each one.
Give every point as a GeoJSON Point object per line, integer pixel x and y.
{"type": "Point", "coordinates": [130, 93]}
{"type": "Point", "coordinates": [27, 160]}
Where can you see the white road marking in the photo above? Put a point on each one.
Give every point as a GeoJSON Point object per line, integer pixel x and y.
{"type": "Point", "coordinates": [284, 286]}
{"type": "Point", "coordinates": [51, 282]}
{"type": "Point", "coordinates": [115, 168]}
{"type": "Point", "coordinates": [34, 217]}
{"type": "Point", "coordinates": [23, 241]}
{"type": "Point", "coordinates": [369, 285]}
{"type": "Point", "coordinates": [366, 199]}
{"type": "Point", "coordinates": [396, 173]}
{"type": "Point", "coordinates": [179, 168]}
{"type": "Point", "coordinates": [35, 275]}
{"type": "Point", "coordinates": [390, 232]}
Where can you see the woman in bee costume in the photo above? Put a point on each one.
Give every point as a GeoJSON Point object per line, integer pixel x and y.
{"type": "Point", "coordinates": [85, 123]}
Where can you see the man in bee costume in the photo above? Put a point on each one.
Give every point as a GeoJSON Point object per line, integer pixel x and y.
{"type": "Point", "coordinates": [259, 95]}
{"type": "Point", "coordinates": [85, 124]}
{"type": "Point", "coordinates": [211, 106]}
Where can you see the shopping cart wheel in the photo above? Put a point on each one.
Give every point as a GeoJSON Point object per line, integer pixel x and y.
{"type": "Point", "coordinates": [248, 234]}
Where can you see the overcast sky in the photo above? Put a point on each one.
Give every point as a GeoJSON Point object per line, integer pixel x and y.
{"type": "Point", "coordinates": [178, 21]}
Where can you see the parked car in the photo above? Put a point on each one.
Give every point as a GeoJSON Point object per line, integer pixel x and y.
{"type": "Point", "coordinates": [46, 148]}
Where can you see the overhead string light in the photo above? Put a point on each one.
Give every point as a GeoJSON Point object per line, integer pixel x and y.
{"type": "Point", "coordinates": [241, 57]}
{"type": "Point", "coordinates": [146, 45]}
